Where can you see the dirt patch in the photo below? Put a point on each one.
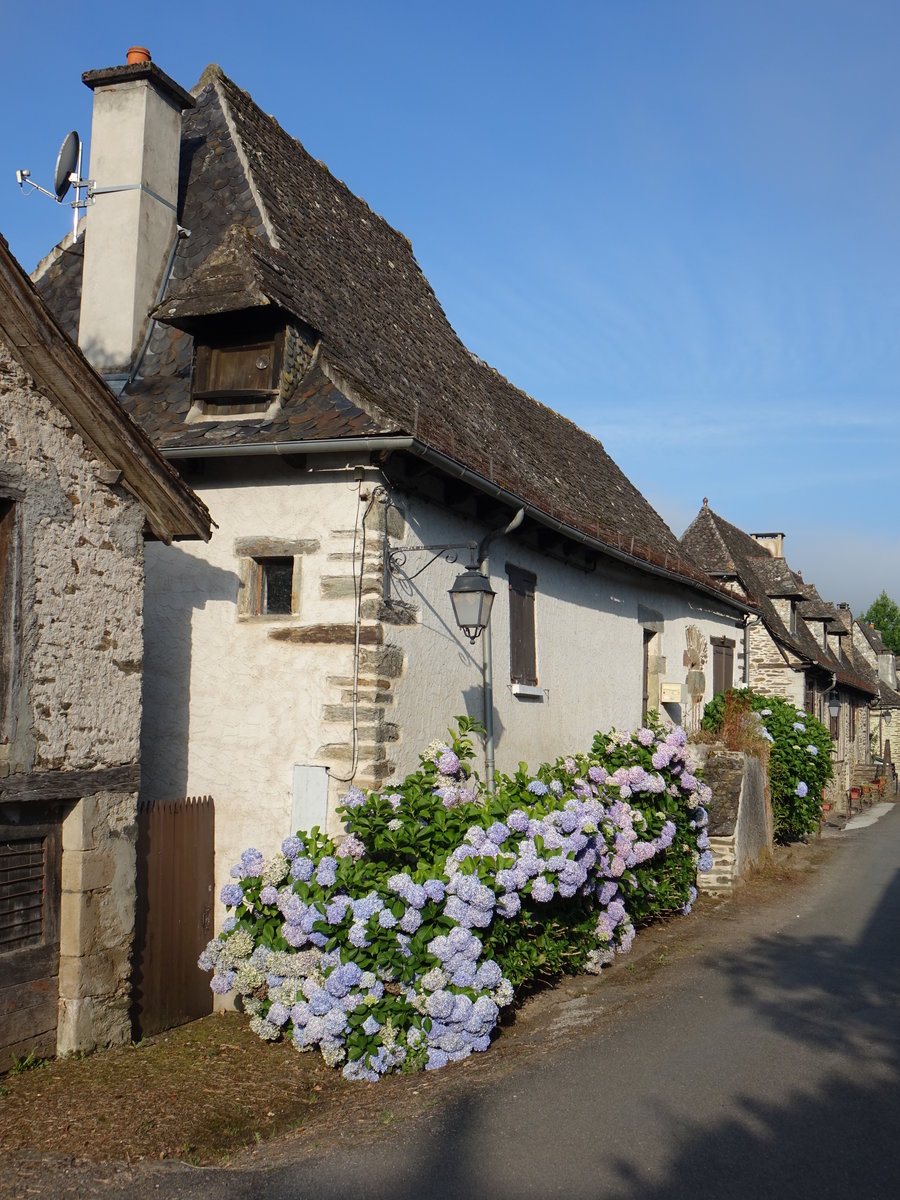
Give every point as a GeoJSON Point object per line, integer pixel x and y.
{"type": "Point", "coordinates": [211, 1092]}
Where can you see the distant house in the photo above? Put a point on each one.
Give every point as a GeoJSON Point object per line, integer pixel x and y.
{"type": "Point", "coordinates": [870, 648]}
{"type": "Point", "coordinates": [300, 371]}
{"type": "Point", "coordinates": [80, 489]}
{"type": "Point", "coordinates": [800, 647]}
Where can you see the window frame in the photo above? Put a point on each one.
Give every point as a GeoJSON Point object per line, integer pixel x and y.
{"type": "Point", "coordinates": [250, 333]}
{"type": "Point", "coordinates": [252, 586]}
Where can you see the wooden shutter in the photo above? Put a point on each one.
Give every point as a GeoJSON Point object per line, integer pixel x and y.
{"type": "Point", "coordinates": [522, 648]}
{"type": "Point", "coordinates": [723, 665]}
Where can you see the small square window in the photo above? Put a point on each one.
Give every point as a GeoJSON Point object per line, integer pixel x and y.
{"type": "Point", "coordinates": [274, 586]}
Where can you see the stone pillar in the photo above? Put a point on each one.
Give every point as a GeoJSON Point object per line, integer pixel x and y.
{"type": "Point", "coordinates": [97, 918]}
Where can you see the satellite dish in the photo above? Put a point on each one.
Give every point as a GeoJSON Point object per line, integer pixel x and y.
{"type": "Point", "coordinates": [66, 164]}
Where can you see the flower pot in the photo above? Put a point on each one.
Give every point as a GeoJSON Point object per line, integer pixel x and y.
{"type": "Point", "coordinates": [854, 793]}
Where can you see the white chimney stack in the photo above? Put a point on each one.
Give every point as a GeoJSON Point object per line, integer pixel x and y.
{"type": "Point", "coordinates": [131, 225]}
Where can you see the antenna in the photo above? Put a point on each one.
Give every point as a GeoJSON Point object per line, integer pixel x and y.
{"type": "Point", "coordinates": [67, 163]}
{"type": "Point", "coordinates": [67, 174]}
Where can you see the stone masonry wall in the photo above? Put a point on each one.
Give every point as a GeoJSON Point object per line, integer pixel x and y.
{"type": "Point", "coordinates": [78, 701]}
{"type": "Point", "coordinates": [740, 816]}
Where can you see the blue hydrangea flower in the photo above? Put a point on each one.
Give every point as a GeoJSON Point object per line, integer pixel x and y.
{"type": "Point", "coordinates": [326, 872]}
{"type": "Point", "coordinates": [353, 799]}
{"type": "Point", "coordinates": [537, 788]}
{"type": "Point", "coordinates": [232, 894]}
{"type": "Point", "coordinates": [302, 869]}
{"type": "Point", "coordinates": [801, 789]}
{"type": "Point", "coordinates": [291, 847]}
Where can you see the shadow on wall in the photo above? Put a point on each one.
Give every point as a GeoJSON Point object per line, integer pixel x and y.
{"type": "Point", "coordinates": [473, 700]}
{"type": "Point", "coordinates": [178, 583]}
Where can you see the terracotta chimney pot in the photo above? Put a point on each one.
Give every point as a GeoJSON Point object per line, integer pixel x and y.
{"type": "Point", "coordinates": [137, 54]}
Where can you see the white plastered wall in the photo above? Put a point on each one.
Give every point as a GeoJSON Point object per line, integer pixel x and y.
{"type": "Point", "coordinates": [589, 637]}
{"type": "Point", "coordinates": [230, 710]}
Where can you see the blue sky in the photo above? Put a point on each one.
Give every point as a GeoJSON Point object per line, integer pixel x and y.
{"type": "Point", "coordinates": [675, 221]}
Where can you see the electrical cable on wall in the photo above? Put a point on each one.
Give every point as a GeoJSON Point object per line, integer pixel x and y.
{"type": "Point", "coordinates": [359, 539]}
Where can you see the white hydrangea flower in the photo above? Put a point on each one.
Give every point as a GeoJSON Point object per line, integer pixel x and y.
{"type": "Point", "coordinates": [274, 871]}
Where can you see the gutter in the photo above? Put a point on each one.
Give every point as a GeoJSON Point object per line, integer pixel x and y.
{"type": "Point", "coordinates": [450, 466]}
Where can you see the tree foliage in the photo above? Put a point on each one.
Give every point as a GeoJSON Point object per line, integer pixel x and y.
{"type": "Point", "coordinates": [884, 614]}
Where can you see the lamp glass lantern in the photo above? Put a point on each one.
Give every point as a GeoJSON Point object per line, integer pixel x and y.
{"type": "Point", "coordinates": [472, 597]}
{"type": "Point", "coordinates": [834, 706]}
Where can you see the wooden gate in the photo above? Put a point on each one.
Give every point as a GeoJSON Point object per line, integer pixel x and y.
{"type": "Point", "coordinates": [175, 863]}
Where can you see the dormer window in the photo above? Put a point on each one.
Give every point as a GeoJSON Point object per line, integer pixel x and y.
{"type": "Point", "coordinates": [237, 368]}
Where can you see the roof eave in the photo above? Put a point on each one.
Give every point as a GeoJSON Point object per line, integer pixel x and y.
{"type": "Point", "coordinates": [449, 466]}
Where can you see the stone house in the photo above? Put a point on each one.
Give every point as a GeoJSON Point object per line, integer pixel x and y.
{"type": "Point", "coordinates": [299, 370]}
{"type": "Point", "coordinates": [800, 646]}
{"type": "Point", "coordinates": [870, 648]}
{"type": "Point", "coordinates": [81, 487]}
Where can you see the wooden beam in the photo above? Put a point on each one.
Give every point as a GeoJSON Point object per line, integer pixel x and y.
{"type": "Point", "coordinates": [42, 786]}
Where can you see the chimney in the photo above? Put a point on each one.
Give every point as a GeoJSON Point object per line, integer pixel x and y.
{"type": "Point", "coordinates": [773, 542]}
{"type": "Point", "coordinates": [131, 225]}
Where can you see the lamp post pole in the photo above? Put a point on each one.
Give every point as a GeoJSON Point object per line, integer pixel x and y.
{"type": "Point", "coordinates": [487, 668]}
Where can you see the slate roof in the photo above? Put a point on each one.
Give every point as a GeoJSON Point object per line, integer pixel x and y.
{"type": "Point", "coordinates": [724, 550]}
{"type": "Point", "coordinates": [872, 636]}
{"type": "Point", "coordinates": [270, 224]}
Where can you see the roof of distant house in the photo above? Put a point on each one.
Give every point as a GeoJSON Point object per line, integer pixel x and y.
{"type": "Point", "coordinates": [270, 225]}
{"type": "Point", "coordinates": [728, 553]}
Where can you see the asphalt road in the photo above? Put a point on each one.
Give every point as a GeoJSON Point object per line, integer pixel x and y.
{"type": "Point", "coordinates": [767, 1065]}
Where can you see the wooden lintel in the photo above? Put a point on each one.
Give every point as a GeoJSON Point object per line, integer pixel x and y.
{"type": "Point", "coordinates": [42, 786]}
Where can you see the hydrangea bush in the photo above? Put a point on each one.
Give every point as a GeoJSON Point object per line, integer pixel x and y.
{"type": "Point", "coordinates": [399, 947]}
{"type": "Point", "coordinates": [800, 757]}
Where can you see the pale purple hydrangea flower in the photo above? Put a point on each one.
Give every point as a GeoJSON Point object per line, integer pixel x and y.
{"type": "Point", "coordinates": [537, 788]}
{"type": "Point", "coordinates": [813, 751]}
{"type": "Point", "coordinates": [252, 861]}
{"type": "Point", "coordinates": [800, 727]}
{"type": "Point", "coordinates": [351, 847]}
{"type": "Point", "coordinates": [268, 895]}
{"type": "Point", "coordinates": [291, 847]}
{"type": "Point", "coordinates": [645, 737]}
{"type": "Point", "coordinates": [801, 789]}
{"type": "Point", "coordinates": [448, 763]}
{"type": "Point", "coordinates": [706, 861]}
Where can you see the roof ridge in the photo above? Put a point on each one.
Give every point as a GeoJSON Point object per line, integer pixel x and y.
{"type": "Point", "coordinates": [217, 78]}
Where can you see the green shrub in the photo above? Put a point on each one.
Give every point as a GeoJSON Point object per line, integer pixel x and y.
{"type": "Point", "coordinates": [800, 756]}
{"type": "Point", "coordinates": [397, 948]}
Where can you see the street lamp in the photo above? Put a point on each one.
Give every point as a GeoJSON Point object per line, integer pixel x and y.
{"type": "Point", "coordinates": [472, 597]}
{"type": "Point", "coordinates": [834, 706]}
